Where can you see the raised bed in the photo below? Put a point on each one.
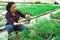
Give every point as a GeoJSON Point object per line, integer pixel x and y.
{"type": "Point", "coordinates": [36, 9]}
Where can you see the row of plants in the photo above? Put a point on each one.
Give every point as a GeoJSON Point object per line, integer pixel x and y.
{"type": "Point", "coordinates": [56, 15]}
{"type": "Point", "coordinates": [1, 24]}
{"type": "Point", "coordinates": [2, 20]}
{"type": "Point", "coordinates": [2, 6]}
{"type": "Point", "coordinates": [36, 9]}
{"type": "Point", "coordinates": [41, 30]}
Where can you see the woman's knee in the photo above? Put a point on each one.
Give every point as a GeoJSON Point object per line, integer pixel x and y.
{"type": "Point", "coordinates": [9, 28]}
{"type": "Point", "coordinates": [22, 27]}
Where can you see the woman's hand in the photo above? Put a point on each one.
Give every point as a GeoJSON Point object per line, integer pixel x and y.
{"type": "Point", "coordinates": [18, 23]}
{"type": "Point", "coordinates": [27, 16]}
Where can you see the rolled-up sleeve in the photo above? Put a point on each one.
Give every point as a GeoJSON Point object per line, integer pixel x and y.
{"type": "Point", "coordinates": [21, 14]}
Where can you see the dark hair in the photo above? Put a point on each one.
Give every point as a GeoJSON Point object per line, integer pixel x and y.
{"type": "Point", "coordinates": [8, 6]}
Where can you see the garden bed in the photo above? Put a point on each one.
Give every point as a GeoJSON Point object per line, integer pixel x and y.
{"type": "Point", "coordinates": [36, 9]}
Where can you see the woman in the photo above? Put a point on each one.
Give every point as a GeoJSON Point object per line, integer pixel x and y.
{"type": "Point", "coordinates": [12, 17]}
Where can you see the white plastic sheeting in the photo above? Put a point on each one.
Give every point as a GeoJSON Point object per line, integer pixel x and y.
{"type": "Point", "coordinates": [13, 0]}
{"type": "Point", "coordinates": [42, 1]}
{"type": "Point", "coordinates": [3, 35]}
{"type": "Point", "coordinates": [58, 1]}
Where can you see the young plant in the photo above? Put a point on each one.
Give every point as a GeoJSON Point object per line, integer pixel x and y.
{"type": "Point", "coordinates": [56, 16]}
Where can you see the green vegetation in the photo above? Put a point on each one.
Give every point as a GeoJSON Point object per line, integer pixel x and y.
{"type": "Point", "coordinates": [40, 30]}
{"type": "Point", "coordinates": [43, 28]}
{"type": "Point", "coordinates": [56, 38]}
{"type": "Point", "coordinates": [3, 4]}
{"type": "Point", "coordinates": [36, 9]}
{"type": "Point", "coordinates": [2, 22]}
{"type": "Point", "coordinates": [56, 16]}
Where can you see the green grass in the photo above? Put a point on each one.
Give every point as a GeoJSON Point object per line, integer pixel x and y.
{"type": "Point", "coordinates": [56, 38]}
{"type": "Point", "coordinates": [56, 16]}
{"type": "Point", "coordinates": [36, 9]}
{"type": "Point", "coordinates": [42, 29]}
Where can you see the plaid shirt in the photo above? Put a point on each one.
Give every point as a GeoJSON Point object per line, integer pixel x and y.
{"type": "Point", "coordinates": [11, 19]}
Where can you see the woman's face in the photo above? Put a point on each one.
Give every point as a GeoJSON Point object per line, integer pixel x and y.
{"type": "Point", "coordinates": [13, 8]}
